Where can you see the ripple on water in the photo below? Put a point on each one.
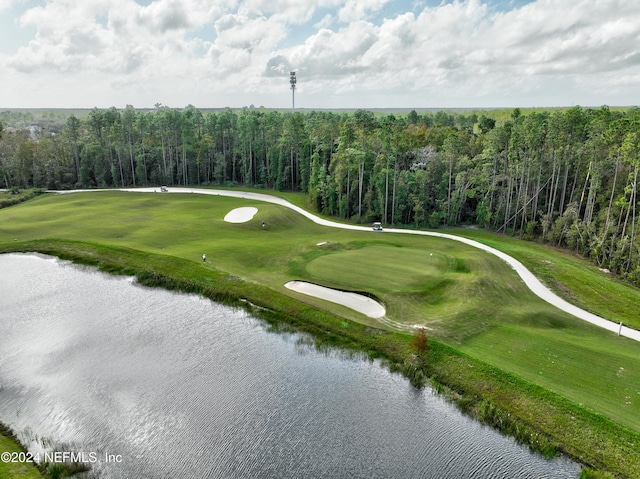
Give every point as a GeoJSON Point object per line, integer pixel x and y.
{"type": "Point", "coordinates": [182, 387]}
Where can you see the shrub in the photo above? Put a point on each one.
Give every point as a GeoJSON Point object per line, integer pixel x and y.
{"type": "Point", "coordinates": [420, 341]}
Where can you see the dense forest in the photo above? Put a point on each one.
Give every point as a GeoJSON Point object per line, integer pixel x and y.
{"type": "Point", "coordinates": [567, 177]}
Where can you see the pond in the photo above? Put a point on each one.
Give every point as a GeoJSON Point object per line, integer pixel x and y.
{"type": "Point", "coordinates": [160, 384]}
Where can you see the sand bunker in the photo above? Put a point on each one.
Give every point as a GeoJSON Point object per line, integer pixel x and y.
{"type": "Point", "coordinates": [241, 215]}
{"type": "Point", "coordinates": [357, 302]}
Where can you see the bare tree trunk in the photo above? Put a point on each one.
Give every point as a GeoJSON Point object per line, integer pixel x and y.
{"type": "Point", "coordinates": [133, 168]}
{"type": "Point", "coordinates": [164, 155]}
{"type": "Point", "coordinates": [224, 156]}
{"type": "Point", "coordinates": [534, 207]}
{"type": "Point", "coordinates": [633, 217]}
{"type": "Point", "coordinates": [613, 190]}
{"type": "Point", "coordinates": [449, 188]}
{"type": "Point", "coordinates": [360, 186]}
{"type": "Point", "coordinates": [120, 165]}
{"type": "Point", "coordinates": [346, 215]}
{"type": "Point", "coordinates": [493, 183]}
{"type": "Point", "coordinates": [386, 191]}
{"type": "Point", "coordinates": [292, 168]}
{"type": "Point", "coordinates": [564, 187]}
{"type": "Point", "coordinates": [584, 189]}
{"type": "Point", "coordinates": [184, 165]}
{"type": "Point", "coordinates": [554, 192]}
{"type": "Point", "coordinates": [393, 196]}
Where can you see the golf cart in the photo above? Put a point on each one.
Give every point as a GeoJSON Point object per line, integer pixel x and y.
{"type": "Point", "coordinates": [376, 226]}
{"type": "Point", "coordinates": [164, 188]}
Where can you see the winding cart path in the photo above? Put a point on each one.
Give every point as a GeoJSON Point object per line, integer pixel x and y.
{"type": "Point", "coordinates": [527, 276]}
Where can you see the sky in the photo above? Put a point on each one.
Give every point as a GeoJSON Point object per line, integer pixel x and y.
{"type": "Point", "coordinates": [346, 53]}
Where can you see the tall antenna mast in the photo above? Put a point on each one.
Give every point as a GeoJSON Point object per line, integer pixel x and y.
{"type": "Point", "coordinates": [292, 80]}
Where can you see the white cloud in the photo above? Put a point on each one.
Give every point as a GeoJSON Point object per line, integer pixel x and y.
{"type": "Point", "coordinates": [462, 49]}
{"type": "Point", "coordinates": [460, 53]}
{"type": "Point", "coordinates": [290, 11]}
{"type": "Point", "coordinates": [163, 16]}
{"type": "Point", "coordinates": [405, 51]}
{"type": "Point", "coordinates": [326, 22]}
{"type": "Point", "coordinates": [354, 10]}
{"type": "Point", "coordinates": [248, 29]}
{"type": "Point", "coordinates": [114, 36]}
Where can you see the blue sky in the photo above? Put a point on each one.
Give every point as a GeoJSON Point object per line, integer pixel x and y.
{"type": "Point", "coordinates": [347, 53]}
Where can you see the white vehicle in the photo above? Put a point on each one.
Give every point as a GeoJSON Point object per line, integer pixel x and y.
{"type": "Point", "coordinates": [164, 188]}
{"type": "Point", "coordinates": [376, 226]}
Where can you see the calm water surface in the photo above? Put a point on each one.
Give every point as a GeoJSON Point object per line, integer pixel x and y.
{"type": "Point", "coordinates": [178, 386]}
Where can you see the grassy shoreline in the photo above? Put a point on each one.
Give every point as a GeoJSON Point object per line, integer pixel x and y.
{"type": "Point", "coordinates": [10, 443]}
{"type": "Point", "coordinates": [534, 415]}
{"type": "Point", "coordinates": [28, 469]}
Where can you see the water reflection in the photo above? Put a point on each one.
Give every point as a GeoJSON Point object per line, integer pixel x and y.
{"type": "Point", "coordinates": [182, 387]}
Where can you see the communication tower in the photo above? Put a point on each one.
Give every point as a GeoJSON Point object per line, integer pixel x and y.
{"type": "Point", "coordinates": [292, 80]}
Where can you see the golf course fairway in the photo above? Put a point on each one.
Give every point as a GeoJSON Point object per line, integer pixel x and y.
{"type": "Point", "coordinates": [497, 346]}
{"type": "Point", "coordinates": [529, 278]}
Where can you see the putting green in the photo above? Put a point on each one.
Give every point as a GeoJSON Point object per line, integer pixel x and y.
{"type": "Point", "coordinates": [381, 267]}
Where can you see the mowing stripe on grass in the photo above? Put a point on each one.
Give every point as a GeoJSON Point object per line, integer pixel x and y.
{"type": "Point", "coordinates": [527, 276]}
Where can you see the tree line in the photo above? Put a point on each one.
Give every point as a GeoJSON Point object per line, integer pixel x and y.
{"type": "Point", "coordinates": [567, 177]}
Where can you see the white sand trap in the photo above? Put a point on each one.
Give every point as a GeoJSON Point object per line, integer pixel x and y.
{"type": "Point", "coordinates": [241, 215]}
{"type": "Point", "coordinates": [357, 302]}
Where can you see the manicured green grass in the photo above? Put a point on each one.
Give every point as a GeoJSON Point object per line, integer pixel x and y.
{"type": "Point", "coordinates": [529, 338]}
{"type": "Point", "coordinates": [574, 278]}
{"type": "Point", "coordinates": [380, 268]}
{"type": "Point", "coordinates": [463, 296]}
{"type": "Point", "coordinates": [16, 470]}
{"type": "Point", "coordinates": [466, 298]}
{"type": "Point", "coordinates": [470, 292]}
{"type": "Point", "coordinates": [574, 362]}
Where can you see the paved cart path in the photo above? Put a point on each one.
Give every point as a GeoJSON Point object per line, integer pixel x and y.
{"type": "Point", "coordinates": [527, 276]}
